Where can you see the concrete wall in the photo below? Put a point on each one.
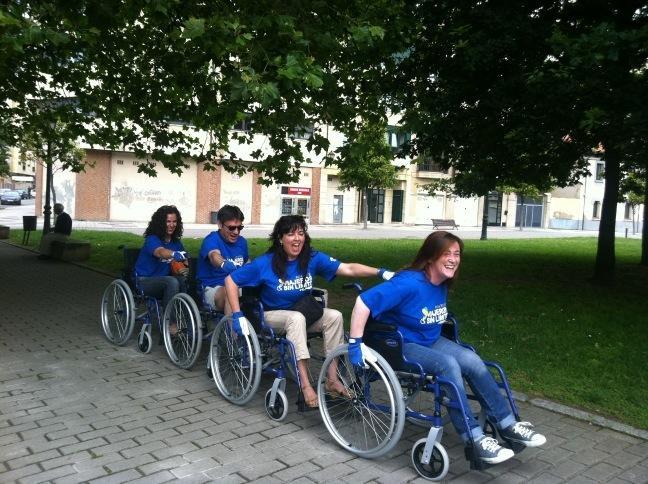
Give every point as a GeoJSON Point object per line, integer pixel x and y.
{"type": "Point", "coordinates": [134, 196]}
{"type": "Point", "coordinates": [237, 190]}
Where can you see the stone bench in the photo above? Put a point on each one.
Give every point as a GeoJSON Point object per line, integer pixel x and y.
{"type": "Point", "coordinates": [70, 250]}
{"type": "Point", "coordinates": [4, 232]}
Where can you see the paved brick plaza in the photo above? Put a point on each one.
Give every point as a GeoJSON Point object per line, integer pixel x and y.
{"type": "Point", "coordinates": [73, 408]}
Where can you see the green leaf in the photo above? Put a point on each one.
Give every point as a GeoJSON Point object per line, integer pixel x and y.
{"type": "Point", "coordinates": [193, 28]}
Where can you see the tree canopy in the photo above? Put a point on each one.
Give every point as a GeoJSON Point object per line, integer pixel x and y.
{"type": "Point", "coordinates": [506, 93]}
{"type": "Point", "coordinates": [170, 79]}
{"type": "Point", "coordinates": [520, 92]}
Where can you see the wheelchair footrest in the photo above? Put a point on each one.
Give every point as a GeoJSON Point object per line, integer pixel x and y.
{"type": "Point", "coordinates": [475, 463]}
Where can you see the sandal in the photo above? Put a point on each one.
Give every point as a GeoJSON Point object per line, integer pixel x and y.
{"type": "Point", "coordinates": [337, 389]}
{"type": "Point", "coordinates": [312, 402]}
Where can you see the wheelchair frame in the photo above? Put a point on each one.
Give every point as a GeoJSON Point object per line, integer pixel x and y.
{"type": "Point", "coordinates": [237, 362]}
{"type": "Point", "coordinates": [119, 313]}
{"type": "Point", "coordinates": [371, 423]}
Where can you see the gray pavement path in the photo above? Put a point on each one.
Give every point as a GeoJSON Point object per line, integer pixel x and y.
{"type": "Point", "coordinates": [74, 408]}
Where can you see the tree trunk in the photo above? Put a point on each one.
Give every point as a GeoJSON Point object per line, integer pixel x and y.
{"type": "Point", "coordinates": [365, 208]}
{"type": "Point", "coordinates": [53, 189]}
{"type": "Point", "coordinates": [484, 229]}
{"type": "Point", "coordinates": [522, 213]}
{"type": "Point", "coordinates": [47, 209]}
{"type": "Point", "coordinates": [605, 257]}
{"type": "Point", "coordinates": [644, 227]}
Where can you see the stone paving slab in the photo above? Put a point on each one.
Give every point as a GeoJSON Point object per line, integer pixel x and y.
{"type": "Point", "coordinates": [74, 408]}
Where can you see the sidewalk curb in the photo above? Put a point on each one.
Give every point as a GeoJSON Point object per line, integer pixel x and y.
{"type": "Point", "coordinates": [559, 408]}
{"type": "Point", "coordinates": [581, 415]}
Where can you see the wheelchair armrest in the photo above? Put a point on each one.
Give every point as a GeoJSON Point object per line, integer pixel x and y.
{"type": "Point", "coordinates": [373, 326]}
{"type": "Point", "coordinates": [450, 329]}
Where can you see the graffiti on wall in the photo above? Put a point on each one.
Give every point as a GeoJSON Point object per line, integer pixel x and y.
{"type": "Point", "coordinates": [128, 196]}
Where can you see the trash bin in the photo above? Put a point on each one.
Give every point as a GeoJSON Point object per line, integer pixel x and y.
{"type": "Point", "coordinates": [29, 222]}
{"type": "Point", "coordinates": [29, 225]}
{"type": "Point", "coordinates": [213, 217]}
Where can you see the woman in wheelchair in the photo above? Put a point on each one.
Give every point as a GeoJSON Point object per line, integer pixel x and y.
{"type": "Point", "coordinates": [415, 300]}
{"type": "Point", "coordinates": [162, 245]}
{"type": "Point", "coordinates": [284, 275]}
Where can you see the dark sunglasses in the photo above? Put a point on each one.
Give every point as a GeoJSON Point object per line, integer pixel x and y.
{"type": "Point", "coordinates": [232, 228]}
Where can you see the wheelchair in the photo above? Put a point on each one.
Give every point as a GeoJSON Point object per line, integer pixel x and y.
{"type": "Point", "coordinates": [124, 304]}
{"type": "Point", "coordinates": [393, 390]}
{"type": "Point", "coordinates": [238, 362]}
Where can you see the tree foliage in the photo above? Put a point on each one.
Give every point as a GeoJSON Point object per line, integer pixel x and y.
{"type": "Point", "coordinates": [520, 92]}
{"type": "Point", "coordinates": [169, 79]}
{"type": "Point", "coordinates": [365, 160]}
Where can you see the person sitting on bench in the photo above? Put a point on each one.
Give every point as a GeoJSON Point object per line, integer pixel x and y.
{"type": "Point", "coordinates": [61, 232]}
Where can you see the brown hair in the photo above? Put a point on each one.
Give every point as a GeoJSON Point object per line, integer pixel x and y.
{"type": "Point", "coordinates": [433, 247]}
{"type": "Point", "coordinates": [157, 224]}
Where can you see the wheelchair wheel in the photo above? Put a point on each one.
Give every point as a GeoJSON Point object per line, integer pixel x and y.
{"type": "Point", "coordinates": [144, 340]}
{"type": "Point", "coordinates": [235, 362]}
{"type": "Point", "coordinates": [118, 312]}
{"type": "Point", "coordinates": [182, 331]}
{"type": "Point", "coordinates": [279, 411]}
{"type": "Point", "coordinates": [439, 464]}
{"type": "Point", "coordinates": [369, 420]}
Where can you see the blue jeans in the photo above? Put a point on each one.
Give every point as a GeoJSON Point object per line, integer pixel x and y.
{"type": "Point", "coordinates": [454, 362]}
{"type": "Point", "coordinates": [161, 287]}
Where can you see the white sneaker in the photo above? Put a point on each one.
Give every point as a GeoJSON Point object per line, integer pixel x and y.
{"type": "Point", "coordinates": [489, 450]}
{"type": "Point", "coordinates": [522, 432]}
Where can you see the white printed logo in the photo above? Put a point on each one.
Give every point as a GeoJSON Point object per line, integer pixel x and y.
{"type": "Point", "coordinates": [299, 283]}
{"type": "Point", "coordinates": [434, 316]}
{"type": "Point", "coordinates": [238, 261]}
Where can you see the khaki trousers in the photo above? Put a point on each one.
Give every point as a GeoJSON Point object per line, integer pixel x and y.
{"type": "Point", "coordinates": [294, 325]}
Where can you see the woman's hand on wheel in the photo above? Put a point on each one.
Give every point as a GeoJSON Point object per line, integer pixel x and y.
{"type": "Point", "coordinates": [355, 352]}
{"type": "Point", "coordinates": [240, 323]}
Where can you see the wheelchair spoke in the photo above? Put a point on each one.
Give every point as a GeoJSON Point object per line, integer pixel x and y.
{"type": "Point", "coordinates": [117, 312]}
{"type": "Point", "coordinates": [370, 419]}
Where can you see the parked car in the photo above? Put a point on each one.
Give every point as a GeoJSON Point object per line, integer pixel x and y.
{"type": "Point", "coordinates": [24, 193]}
{"type": "Point", "coordinates": [10, 197]}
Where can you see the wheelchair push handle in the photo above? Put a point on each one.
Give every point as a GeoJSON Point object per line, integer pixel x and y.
{"type": "Point", "coordinates": [350, 285]}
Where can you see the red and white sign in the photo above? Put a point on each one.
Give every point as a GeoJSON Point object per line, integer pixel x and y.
{"type": "Point", "coordinates": [296, 191]}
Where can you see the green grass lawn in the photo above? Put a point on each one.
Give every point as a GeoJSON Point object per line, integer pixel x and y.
{"type": "Point", "coordinates": [524, 303]}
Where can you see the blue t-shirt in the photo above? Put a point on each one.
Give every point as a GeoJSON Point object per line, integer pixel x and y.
{"type": "Point", "coordinates": [147, 264]}
{"type": "Point", "coordinates": [283, 294]}
{"type": "Point", "coordinates": [236, 253]}
{"type": "Point", "coordinates": [410, 301]}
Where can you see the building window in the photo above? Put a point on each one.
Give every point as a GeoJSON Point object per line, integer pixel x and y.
{"type": "Point", "coordinates": [600, 171]}
{"type": "Point", "coordinates": [429, 165]}
{"type": "Point", "coordinates": [628, 211]}
{"type": "Point", "coordinates": [243, 125]}
{"type": "Point", "coordinates": [303, 132]}
{"type": "Point", "coordinates": [395, 138]}
{"type": "Point", "coordinates": [596, 211]}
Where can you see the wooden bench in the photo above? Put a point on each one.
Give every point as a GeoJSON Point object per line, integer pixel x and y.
{"type": "Point", "coordinates": [70, 250]}
{"type": "Point", "coordinates": [441, 222]}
